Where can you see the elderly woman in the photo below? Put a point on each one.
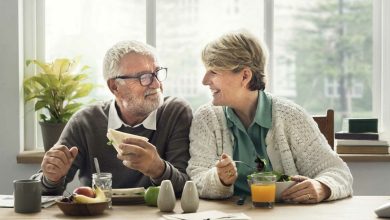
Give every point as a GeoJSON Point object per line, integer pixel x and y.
{"type": "Point", "coordinates": [245, 122]}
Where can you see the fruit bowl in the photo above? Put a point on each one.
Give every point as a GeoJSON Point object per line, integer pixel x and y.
{"type": "Point", "coordinates": [81, 209]}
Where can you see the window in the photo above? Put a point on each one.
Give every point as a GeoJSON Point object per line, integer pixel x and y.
{"type": "Point", "coordinates": [332, 88]}
{"type": "Point", "coordinates": [318, 48]}
{"type": "Point", "coordinates": [88, 28]}
{"type": "Point", "coordinates": [321, 51]}
{"type": "Point", "coordinates": [185, 26]}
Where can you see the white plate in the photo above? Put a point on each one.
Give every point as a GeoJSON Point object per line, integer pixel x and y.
{"type": "Point", "coordinates": [128, 196]}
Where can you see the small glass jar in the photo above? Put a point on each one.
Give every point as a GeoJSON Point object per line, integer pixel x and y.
{"type": "Point", "coordinates": [104, 181]}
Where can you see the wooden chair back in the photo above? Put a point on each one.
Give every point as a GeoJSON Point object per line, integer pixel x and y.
{"type": "Point", "coordinates": [326, 126]}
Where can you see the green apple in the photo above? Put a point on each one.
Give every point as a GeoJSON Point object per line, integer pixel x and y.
{"type": "Point", "coordinates": [151, 195]}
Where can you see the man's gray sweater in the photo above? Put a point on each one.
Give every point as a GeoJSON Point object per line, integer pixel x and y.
{"type": "Point", "coordinates": [87, 130]}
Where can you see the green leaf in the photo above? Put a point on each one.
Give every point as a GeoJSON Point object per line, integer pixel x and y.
{"type": "Point", "coordinates": [261, 164]}
{"type": "Point", "coordinates": [84, 68]}
{"type": "Point", "coordinates": [60, 66]}
{"type": "Point", "coordinates": [66, 116]}
{"type": "Point", "coordinates": [80, 77]}
{"type": "Point", "coordinates": [72, 107]}
{"type": "Point", "coordinates": [40, 80]}
{"type": "Point", "coordinates": [83, 91]}
{"type": "Point", "coordinates": [43, 117]}
{"type": "Point", "coordinates": [284, 178]}
{"type": "Point", "coordinates": [44, 66]}
{"type": "Point", "coordinates": [39, 105]}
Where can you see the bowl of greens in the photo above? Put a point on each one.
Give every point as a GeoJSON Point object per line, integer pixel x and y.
{"type": "Point", "coordinates": [283, 181]}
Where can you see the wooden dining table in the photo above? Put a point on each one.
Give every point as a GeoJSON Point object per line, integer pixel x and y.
{"type": "Point", "coordinates": [357, 207]}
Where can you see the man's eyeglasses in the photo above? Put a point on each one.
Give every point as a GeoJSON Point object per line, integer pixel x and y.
{"type": "Point", "coordinates": [146, 79]}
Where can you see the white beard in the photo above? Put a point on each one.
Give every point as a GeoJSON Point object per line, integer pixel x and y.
{"type": "Point", "coordinates": [143, 106]}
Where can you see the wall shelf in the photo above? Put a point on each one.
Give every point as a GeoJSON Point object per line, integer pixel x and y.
{"type": "Point", "coordinates": [35, 157]}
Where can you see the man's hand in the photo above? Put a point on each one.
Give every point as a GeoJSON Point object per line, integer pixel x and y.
{"type": "Point", "coordinates": [226, 170]}
{"type": "Point", "coordinates": [141, 155]}
{"type": "Point", "coordinates": [57, 161]}
{"type": "Point", "coordinates": [306, 190]}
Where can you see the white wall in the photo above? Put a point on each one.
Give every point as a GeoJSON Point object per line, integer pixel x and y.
{"type": "Point", "coordinates": [370, 178]}
{"type": "Point", "coordinates": [10, 96]}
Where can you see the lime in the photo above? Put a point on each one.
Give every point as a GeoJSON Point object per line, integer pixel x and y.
{"type": "Point", "coordinates": [151, 195]}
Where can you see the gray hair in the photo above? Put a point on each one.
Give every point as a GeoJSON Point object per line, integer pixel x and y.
{"type": "Point", "coordinates": [236, 50]}
{"type": "Point", "coordinates": [119, 50]}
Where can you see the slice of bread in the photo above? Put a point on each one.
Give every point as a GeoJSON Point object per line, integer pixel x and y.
{"type": "Point", "coordinates": [117, 137]}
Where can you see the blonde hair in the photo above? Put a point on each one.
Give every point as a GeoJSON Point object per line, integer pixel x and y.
{"type": "Point", "coordinates": [119, 50]}
{"type": "Point", "coordinates": [236, 50]}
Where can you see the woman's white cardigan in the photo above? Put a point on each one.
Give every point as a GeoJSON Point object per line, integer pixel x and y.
{"type": "Point", "coordinates": [295, 146]}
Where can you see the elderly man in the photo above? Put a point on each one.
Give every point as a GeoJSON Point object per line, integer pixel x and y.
{"type": "Point", "coordinates": [134, 76]}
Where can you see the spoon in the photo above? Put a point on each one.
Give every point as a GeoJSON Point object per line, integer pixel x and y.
{"type": "Point", "coordinates": [97, 167]}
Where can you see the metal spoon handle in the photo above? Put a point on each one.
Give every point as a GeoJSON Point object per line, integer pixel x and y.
{"type": "Point", "coordinates": [97, 167]}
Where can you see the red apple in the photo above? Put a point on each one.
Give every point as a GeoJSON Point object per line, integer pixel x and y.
{"type": "Point", "coordinates": [85, 190]}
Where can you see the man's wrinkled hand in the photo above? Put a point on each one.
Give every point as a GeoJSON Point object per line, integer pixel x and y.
{"type": "Point", "coordinates": [57, 162]}
{"type": "Point", "coordinates": [142, 156]}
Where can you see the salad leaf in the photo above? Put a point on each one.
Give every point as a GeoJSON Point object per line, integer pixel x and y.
{"type": "Point", "coordinates": [260, 164]}
{"type": "Point", "coordinates": [284, 178]}
{"type": "Point", "coordinates": [280, 177]}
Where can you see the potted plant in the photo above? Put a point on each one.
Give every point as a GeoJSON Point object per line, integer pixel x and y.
{"type": "Point", "coordinates": [56, 89]}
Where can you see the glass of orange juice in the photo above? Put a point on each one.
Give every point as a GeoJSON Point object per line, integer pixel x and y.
{"type": "Point", "coordinates": [262, 189]}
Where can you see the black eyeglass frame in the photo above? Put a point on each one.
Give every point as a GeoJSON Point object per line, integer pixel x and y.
{"type": "Point", "coordinates": [149, 76]}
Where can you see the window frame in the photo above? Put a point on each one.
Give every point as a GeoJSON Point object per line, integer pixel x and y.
{"type": "Point", "coordinates": [34, 48]}
{"type": "Point", "coordinates": [381, 53]}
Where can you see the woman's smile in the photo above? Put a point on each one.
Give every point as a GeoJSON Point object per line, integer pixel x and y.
{"type": "Point", "coordinates": [214, 91]}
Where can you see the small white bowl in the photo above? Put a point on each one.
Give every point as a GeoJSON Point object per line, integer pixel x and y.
{"type": "Point", "coordinates": [280, 187]}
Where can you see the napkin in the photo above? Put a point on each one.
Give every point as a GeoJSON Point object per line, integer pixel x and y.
{"type": "Point", "coordinates": [207, 215]}
{"type": "Point", "coordinates": [7, 201]}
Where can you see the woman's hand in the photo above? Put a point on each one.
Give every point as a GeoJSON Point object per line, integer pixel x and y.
{"type": "Point", "coordinates": [306, 191]}
{"type": "Point", "coordinates": [226, 170]}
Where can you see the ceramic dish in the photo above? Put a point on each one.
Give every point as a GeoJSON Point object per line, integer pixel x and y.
{"type": "Point", "coordinates": [280, 187]}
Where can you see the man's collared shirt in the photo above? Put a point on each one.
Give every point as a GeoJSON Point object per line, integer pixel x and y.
{"type": "Point", "coordinates": [249, 143]}
{"type": "Point", "coordinates": [115, 122]}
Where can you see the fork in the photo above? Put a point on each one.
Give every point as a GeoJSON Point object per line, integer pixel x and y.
{"type": "Point", "coordinates": [242, 162]}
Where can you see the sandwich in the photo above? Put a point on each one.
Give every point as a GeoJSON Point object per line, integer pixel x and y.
{"type": "Point", "coordinates": [116, 138]}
